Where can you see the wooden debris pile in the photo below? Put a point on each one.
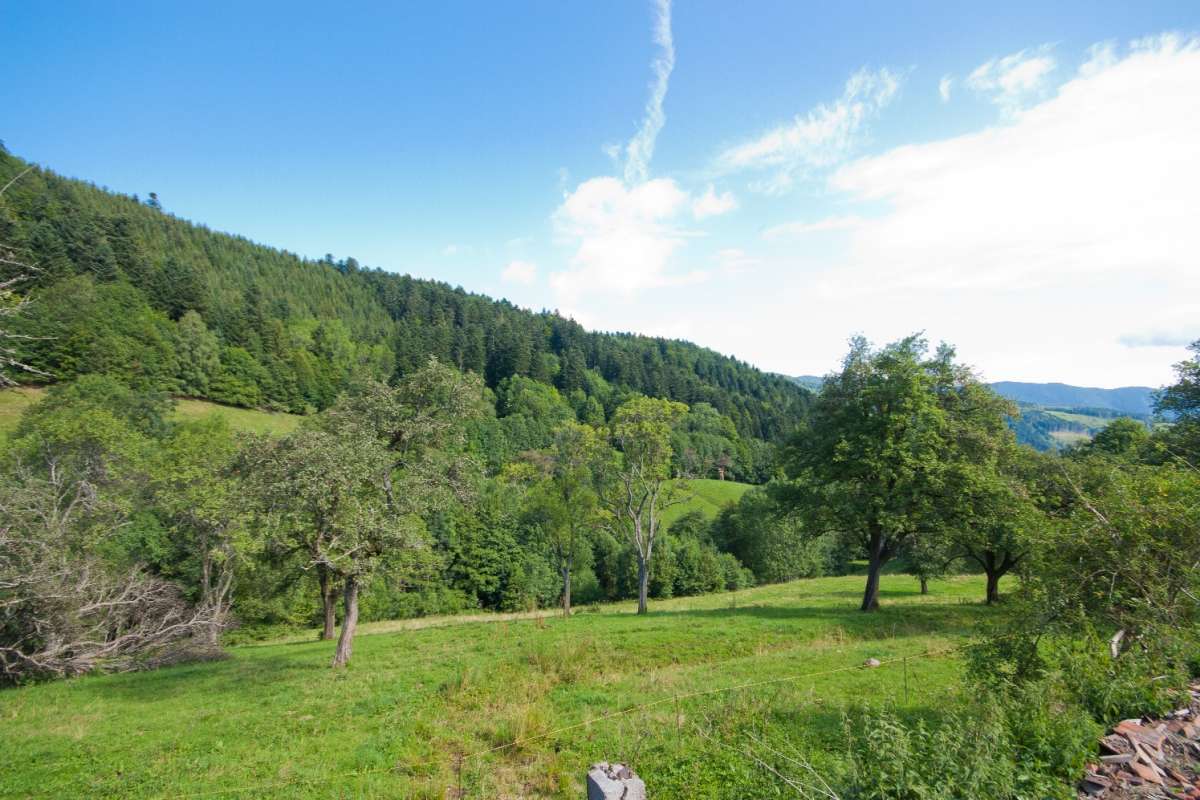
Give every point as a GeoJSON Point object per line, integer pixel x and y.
{"type": "Point", "coordinates": [1158, 758]}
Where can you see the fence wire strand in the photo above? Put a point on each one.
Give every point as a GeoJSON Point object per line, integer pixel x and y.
{"type": "Point", "coordinates": [675, 698]}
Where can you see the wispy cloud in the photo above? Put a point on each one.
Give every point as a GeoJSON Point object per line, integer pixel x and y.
{"type": "Point", "coordinates": [640, 149]}
{"type": "Point", "coordinates": [789, 229]}
{"type": "Point", "coordinates": [1160, 338]}
{"type": "Point", "coordinates": [624, 236]}
{"type": "Point", "coordinates": [1022, 242]}
{"type": "Point", "coordinates": [521, 272]}
{"type": "Point", "coordinates": [712, 204]}
{"type": "Point", "coordinates": [625, 229]}
{"type": "Point", "coordinates": [1011, 80]}
{"type": "Point", "coordinates": [944, 87]}
{"type": "Point", "coordinates": [821, 138]}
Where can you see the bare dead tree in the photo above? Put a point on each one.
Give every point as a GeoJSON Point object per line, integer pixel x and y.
{"type": "Point", "coordinates": [65, 612]}
{"type": "Point", "coordinates": [15, 271]}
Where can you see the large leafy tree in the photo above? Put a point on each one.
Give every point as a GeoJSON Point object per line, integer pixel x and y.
{"type": "Point", "coordinates": [194, 485]}
{"type": "Point", "coordinates": [366, 472]}
{"type": "Point", "coordinates": [640, 485]}
{"type": "Point", "coordinates": [322, 489]}
{"type": "Point", "coordinates": [422, 423]}
{"type": "Point", "coordinates": [563, 506]}
{"type": "Point", "coordinates": [886, 434]}
{"type": "Point", "coordinates": [1181, 400]}
{"type": "Point", "coordinates": [995, 519]}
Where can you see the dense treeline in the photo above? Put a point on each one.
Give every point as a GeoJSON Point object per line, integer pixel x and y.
{"type": "Point", "coordinates": [905, 455]}
{"type": "Point", "coordinates": [1036, 425]}
{"type": "Point", "coordinates": [460, 453]}
{"type": "Point", "coordinates": [127, 290]}
{"type": "Point", "coordinates": [387, 503]}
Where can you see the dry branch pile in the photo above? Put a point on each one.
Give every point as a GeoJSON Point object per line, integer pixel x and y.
{"type": "Point", "coordinates": [1157, 758]}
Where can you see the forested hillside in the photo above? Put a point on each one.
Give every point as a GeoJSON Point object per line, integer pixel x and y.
{"type": "Point", "coordinates": [1135, 400]}
{"type": "Point", "coordinates": [126, 289]}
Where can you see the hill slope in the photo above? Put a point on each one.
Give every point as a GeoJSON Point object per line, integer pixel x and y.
{"type": "Point", "coordinates": [707, 496]}
{"type": "Point", "coordinates": [273, 720]}
{"type": "Point", "coordinates": [14, 401]}
{"type": "Point", "coordinates": [1138, 400]}
{"type": "Point", "coordinates": [126, 289]}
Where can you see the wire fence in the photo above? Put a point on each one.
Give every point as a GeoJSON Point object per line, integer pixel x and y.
{"type": "Point", "coordinates": [638, 707]}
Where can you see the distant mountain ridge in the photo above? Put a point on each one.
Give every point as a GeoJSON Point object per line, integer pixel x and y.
{"type": "Point", "coordinates": [1126, 399]}
{"type": "Point", "coordinates": [1138, 400]}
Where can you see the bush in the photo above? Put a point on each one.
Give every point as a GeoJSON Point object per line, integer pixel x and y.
{"type": "Point", "coordinates": [774, 546]}
{"type": "Point", "coordinates": [1139, 683]}
{"type": "Point", "coordinates": [1027, 744]}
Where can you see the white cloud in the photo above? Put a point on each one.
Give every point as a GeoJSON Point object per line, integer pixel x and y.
{"type": "Point", "coordinates": [1101, 56]}
{"type": "Point", "coordinates": [640, 149]}
{"type": "Point", "coordinates": [1160, 338]}
{"type": "Point", "coordinates": [624, 231]}
{"type": "Point", "coordinates": [944, 87]}
{"type": "Point", "coordinates": [1025, 243]}
{"type": "Point", "coordinates": [1101, 177]}
{"type": "Point", "coordinates": [842, 223]}
{"type": "Point", "coordinates": [711, 204]}
{"type": "Point", "coordinates": [823, 137]}
{"type": "Point", "coordinates": [624, 236]}
{"type": "Point", "coordinates": [452, 249]}
{"type": "Point", "coordinates": [1012, 79]}
{"type": "Point", "coordinates": [522, 272]}
{"type": "Point", "coordinates": [735, 261]}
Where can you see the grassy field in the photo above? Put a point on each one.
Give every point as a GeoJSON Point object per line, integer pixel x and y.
{"type": "Point", "coordinates": [1065, 438]}
{"type": "Point", "coordinates": [428, 709]}
{"type": "Point", "coordinates": [706, 495]}
{"type": "Point", "coordinates": [240, 419]}
{"type": "Point", "coordinates": [1090, 422]}
{"type": "Point", "coordinates": [14, 401]}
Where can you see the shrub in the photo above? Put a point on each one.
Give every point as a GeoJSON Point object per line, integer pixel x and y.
{"type": "Point", "coordinates": [1025, 745]}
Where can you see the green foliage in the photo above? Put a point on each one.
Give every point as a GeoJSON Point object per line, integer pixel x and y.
{"type": "Point", "coordinates": [419, 689]}
{"type": "Point", "coordinates": [119, 278]}
{"type": "Point", "coordinates": [1025, 747]}
{"type": "Point", "coordinates": [886, 439]}
{"type": "Point", "coordinates": [1121, 438]}
{"type": "Point", "coordinates": [1181, 402]}
{"type": "Point", "coordinates": [1140, 683]}
{"type": "Point", "coordinates": [774, 544]}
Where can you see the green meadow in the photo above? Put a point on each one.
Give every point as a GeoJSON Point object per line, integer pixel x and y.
{"type": "Point", "coordinates": [512, 706]}
{"type": "Point", "coordinates": [14, 401]}
{"type": "Point", "coordinates": [705, 495]}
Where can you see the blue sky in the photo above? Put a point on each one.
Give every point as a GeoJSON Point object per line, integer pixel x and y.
{"type": "Point", "coordinates": [767, 179]}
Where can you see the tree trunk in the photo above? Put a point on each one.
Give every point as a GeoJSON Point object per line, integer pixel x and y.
{"type": "Point", "coordinates": [212, 634]}
{"type": "Point", "coordinates": [993, 586]}
{"type": "Point", "coordinates": [566, 595]}
{"type": "Point", "coordinates": [924, 585]}
{"type": "Point", "coordinates": [327, 601]}
{"type": "Point", "coordinates": [878, 557]}
{"type": "Point", "coordinates": [643, 584]}
{"type": "Point", "coordinates": [349, 622]}
{"type": "Point", "coordinates": [995, 569]}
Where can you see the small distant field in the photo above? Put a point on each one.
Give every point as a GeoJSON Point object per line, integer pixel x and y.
{"type": "Point", "coordinates": [434, 711]}
{"type": "Point", "coordinates": [1066, 438]}
{"type": "Point", "coordinates": [1087, 420]}
{"type": "Point", "coordinates": [14, 401]}
{"type": "Point", "coordinates": [706, 495]}
{"type": "Point", "coordinates": [248, 420]}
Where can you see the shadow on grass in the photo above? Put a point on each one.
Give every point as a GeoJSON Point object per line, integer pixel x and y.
{"type": "Point", "coordinates": [951, 619]}
{"type": "Point", "coordinates": [202, 677]}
